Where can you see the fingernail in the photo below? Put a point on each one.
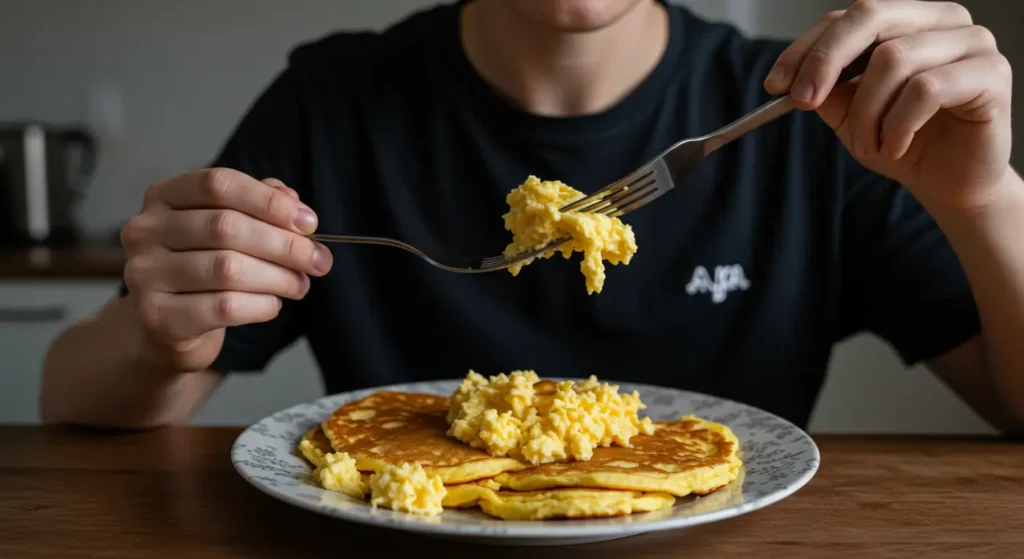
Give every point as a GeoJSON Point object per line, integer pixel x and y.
{"type": "Point", "coordinates": [305, 220]}
{"type": "Point", "coordinates": [304, 289]}
{"type": "Point", "coordinates": [802, 91]}
{"type": "Point", "coordinates": [322, 259]}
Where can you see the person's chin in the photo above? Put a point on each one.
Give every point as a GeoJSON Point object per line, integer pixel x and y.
{"type": "Point", "coordinates": [573, 16]}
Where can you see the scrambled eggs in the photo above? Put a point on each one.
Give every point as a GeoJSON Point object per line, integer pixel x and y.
{"type": "Point", "coordinates": [519, 416]}
{"type": "Point", "coordinates": [339, 473]}
{"type": "Point", "coordinates": [407, 488]}
{"type": "Point", "coordinates": [535, 221]}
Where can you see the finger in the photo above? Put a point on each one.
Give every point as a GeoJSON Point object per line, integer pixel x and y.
{"type": "Point", "coordinates": [782, 74]}
{"type": "Point", "coordinates": [896, 61]}
{"type": "Point", "coordinates": [214, 270]}
{"type": "Point", "coordinates": [977, 88]}
{"type": "Point", "coordinates": [229, 189]}
{"type": "Point", "coordinates": [278, 184]}
{"type": "Point", "coordinates": [186, 316]}
{"type": "Point", "coordinates": [865, 23]}
{"type": "Point", "coordinates": [230, 229]}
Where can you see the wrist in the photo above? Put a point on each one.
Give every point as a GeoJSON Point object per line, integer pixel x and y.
{"type": "Point", "coordinates": [979, 231]}
{"type": "Point", "coordinates": [1004, 198]}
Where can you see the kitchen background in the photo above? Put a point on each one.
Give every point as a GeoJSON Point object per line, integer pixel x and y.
{"type": "Point", "coordinates": [163, 83]}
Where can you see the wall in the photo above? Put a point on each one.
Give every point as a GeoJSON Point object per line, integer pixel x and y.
{"type": "Point", "coordinates": [175, 76]}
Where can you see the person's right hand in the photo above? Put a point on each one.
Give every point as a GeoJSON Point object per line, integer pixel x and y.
{"type": "Point", "coordinates": [212, 249]}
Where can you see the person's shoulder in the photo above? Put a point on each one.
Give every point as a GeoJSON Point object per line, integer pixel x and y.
{"type": "Point", "coordinates": [720, 53]}
{"type": "Point", "coordinates": [358, 58]}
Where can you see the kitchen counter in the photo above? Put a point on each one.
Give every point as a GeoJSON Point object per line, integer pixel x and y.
{"type": "Point", "coordinates": [98, 259]}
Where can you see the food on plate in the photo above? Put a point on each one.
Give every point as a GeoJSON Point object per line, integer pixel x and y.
{"type": "Point", "coordinates": [393, 450]}
{"type": "Point", "coordinates": [536, 421]}
{"type": "Point", "coordinates": [407, 488]}
{"type": "Point", "coordinates": [393, 427]}
{"type": "Point", "coordinates": [314, 445]}
{"type": "Point", "coordinates": [570, 503]}
{"type": "Point", "coordinates": [535, 221]}
{"type": "Point", "coordinates": [689, 456]}
{"type": "Point", "coordinates": [339, 473]}
{"type": "Point", "coordinates": [335, 471]}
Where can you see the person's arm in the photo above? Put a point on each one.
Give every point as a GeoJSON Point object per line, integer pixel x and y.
{"type": "Point", "coordinates": [932, 113]}
{"type": "Point", "coordinates": [211, 251]}
{"type": "Point", "coordinates": [89, 380]}
{"type": "Point", "coordinates": [217, 261]}
{"type": "Point", "coordinates": [988, 371]}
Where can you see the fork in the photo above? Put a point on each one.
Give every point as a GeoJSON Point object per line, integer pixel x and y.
{"type": "Point", "coordinates": [628, 194]}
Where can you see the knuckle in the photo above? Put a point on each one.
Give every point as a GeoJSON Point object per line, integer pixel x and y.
{"type": "Point", "coordinates": [890, 56]}
{"type": "Point", "coordinates": [868, 9]}
{"type": "Point", "coordinates": [924, 86]}
{"type": "Point", "coordinates": [985, 37]}
{"type": "Point", "coordinates": [277, 203]}
{"type": "Point", "coordinates": [959, 12]}
{"type": "Point", "coordinates": [136, 270]}
{"type": "Point", "coordinates": [226, 307]}
{"type": "Point", "coordinates": [225, 268]}
{"type": "Point", "coordinates": [297, 249]}
{"type": "Point", "coordinates": [224, 226]}
{"type": "Point", "coordinates": [215, 183]}
{"type": "Point", "coordinates": [135, 231]}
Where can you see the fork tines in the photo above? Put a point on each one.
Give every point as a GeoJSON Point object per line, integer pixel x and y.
{"type": "Point", "coordinates": [620, 197]}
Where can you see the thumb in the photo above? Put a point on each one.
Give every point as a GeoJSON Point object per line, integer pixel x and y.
{"type": "Point", "coordinates": [276, 183]}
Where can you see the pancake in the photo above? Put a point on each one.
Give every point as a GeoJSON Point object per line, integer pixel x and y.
{"type": "Point", "coordinates": [689, 456]}
{"type": "Point", "coordinates": [555, 503]}
{"type": "Point", "coordinates": [468, 495]}
{"type": "Point", "coordinates": [314, 446]}
{"type": "Point", "coordinates": [573, 503]}
{"type": "Point", "coordinates": [399, 427]}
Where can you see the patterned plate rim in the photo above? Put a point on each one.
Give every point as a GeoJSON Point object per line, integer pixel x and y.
{"type": "Point", "coordinates": [560, 529]}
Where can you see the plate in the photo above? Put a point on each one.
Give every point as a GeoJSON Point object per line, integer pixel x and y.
{"type": "Point", "coordinates": [779, 458]}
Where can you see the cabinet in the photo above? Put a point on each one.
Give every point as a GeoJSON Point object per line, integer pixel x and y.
{"type": "Point", "coordinates": [32, 313]}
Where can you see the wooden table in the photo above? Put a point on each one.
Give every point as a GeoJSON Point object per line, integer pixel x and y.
{"type": "Point", "coordinates": [173, 493]}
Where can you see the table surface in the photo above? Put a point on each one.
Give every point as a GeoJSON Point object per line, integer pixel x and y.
{"type": "Point", "coordinates": [173, 492]}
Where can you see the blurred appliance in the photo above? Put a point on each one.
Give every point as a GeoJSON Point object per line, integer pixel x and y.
{"type": "Point", "coordinates": [44, 173]}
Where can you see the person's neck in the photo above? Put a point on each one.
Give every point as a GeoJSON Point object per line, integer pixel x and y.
{"type": "Point", "coordinates": [553, 73]}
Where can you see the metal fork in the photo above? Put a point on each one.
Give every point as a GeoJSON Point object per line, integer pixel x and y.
{"type": "Point", "coordinates": [628, 194]}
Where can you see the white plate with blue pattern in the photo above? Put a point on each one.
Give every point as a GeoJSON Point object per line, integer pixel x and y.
{"type": "Point", "coordinates": [779, 458]}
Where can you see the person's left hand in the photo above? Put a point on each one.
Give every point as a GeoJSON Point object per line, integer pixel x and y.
{"type": "Point", "coordinates": [932, 110]}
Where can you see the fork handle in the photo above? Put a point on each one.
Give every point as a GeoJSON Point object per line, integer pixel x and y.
{"type": "Point", "coordinates": [776, 108]}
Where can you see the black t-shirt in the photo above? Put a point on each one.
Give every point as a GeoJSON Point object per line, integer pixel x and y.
{"type": "Point", "coordinates": [747, 273]}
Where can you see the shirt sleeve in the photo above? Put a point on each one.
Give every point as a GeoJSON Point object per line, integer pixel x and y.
{"type": "Point", "coordinates": [267, 143]}
{"type": "Point", "coordinates": [901, 279]}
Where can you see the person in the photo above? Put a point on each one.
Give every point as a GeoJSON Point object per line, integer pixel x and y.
{"type": "Point", "coordinates": [886, 204]}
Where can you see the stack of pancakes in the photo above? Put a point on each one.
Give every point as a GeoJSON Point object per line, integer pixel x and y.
{"type": "Point", "coordinates": [686, 457]}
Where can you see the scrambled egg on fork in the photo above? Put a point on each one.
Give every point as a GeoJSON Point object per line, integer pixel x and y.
{"type": "Point", "coordinates": [535, 221]}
